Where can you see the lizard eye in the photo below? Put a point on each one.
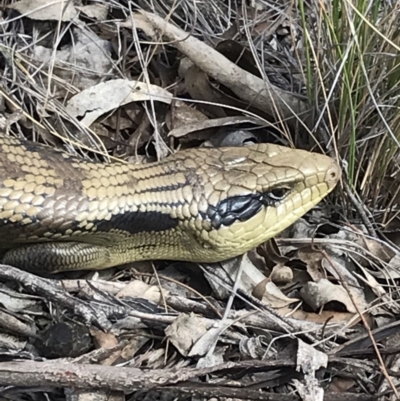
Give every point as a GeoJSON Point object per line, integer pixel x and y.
{"type": "Point", "coordinates": [278, 194]}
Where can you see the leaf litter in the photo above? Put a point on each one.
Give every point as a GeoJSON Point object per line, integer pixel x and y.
{"type": "Point", "coordinates": [285, 322]}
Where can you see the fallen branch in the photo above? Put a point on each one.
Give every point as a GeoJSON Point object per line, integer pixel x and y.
{"type": "Point", "coordinates": [255, 91]}
{"type": "Point", "coordinates": [125, 379]}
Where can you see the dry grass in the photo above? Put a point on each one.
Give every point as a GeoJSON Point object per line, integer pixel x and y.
{"type": "Point", "coordinates": [354, 48]}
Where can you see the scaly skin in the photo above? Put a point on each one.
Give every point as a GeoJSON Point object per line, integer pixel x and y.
{"type": "Point", "coordinates": [59, 212]}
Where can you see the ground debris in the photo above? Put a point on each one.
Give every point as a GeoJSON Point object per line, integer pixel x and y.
{"type": "Point", "coordinates": [311, 315]}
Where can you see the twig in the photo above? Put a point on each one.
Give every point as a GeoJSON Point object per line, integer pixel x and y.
{"type": "Point", "coordinates": [50, 290]}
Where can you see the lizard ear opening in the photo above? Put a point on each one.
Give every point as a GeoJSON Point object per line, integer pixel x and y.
{"type": "Point", "coordinates": [235, 208]}
{"type": "Point", "coordinates": [244, 207]}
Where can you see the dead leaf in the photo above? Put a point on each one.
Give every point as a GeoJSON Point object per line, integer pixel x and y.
{"type": "Point", "coordinates": [180, 115]}
{"type": "Point", "coordinates": [378, 249]}
{"type": "Point", "coordinates": [102, 339]}
{"type": "Point", "coordinates": [138, 288]}
{"type": "Point", "coordinates": [340, 268]}
{"type": "Point", "coordinates": [217, 357]}
{"type": "Point", "coordinates": [204, 124]}
{"type": "Point", "coordinates": [323, 291]}
{"type": "Point", "coordinates": [249, 278]}
{"type": "Point", "coordinates": [186, 330]}
{"type": "Point", "coordinates": [340, 385]}
{"type": "Point", "coordinates": [14, 301]}
{"type": "Point", "coordinates": [208, 340]}
{"type": "Point", "coordinates": [320, 317]}
{"type": "Point", "coordinates": [281, 274]}
{"type": "Point", "coordinates": [313, 261]}
{"type": "Point", "coordinates": [134, 345]}
{"type": "Point", "coordinates": [269, 293]}
{"type": "Point", "coordinates": [97, 11]}
{"type": "Point", "coordinates": [354, 235]}
{"type": "Point", "coordinates": [93, 102]}
{"type": "Point", "coordinates": [196, 82]}
{"type": "Point", "coordinates": [88, 53]}
{"type": "Point", "coordinates": [376, 287]}
{"type": "Point", "coordinates": [12, 343]}
{"type": "Point", "coordinates": [387, 301]}
{"type": "Point", "coordinates": [391, 270]}
{"type": "Point", "coordinates": [272, 252]}
{"type": "Point", "coordinates": [107, 341]}
{"type": "Point", "coordinates": [154, 359]}
{"type": "Point", "coordinates": [44, 10]}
